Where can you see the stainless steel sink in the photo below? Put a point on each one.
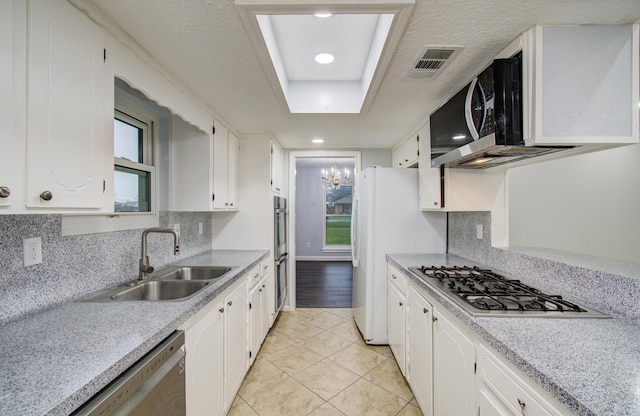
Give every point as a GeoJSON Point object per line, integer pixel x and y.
{"type": "Point", "coordinates": [150, 290]}
{"type": "Point", "coordinates": [161, 290]}
{"type": "Point", "coordinates": [193, 273]}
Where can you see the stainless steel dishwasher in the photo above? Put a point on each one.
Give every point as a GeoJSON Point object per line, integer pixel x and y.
{"type": "Point", "coordinates": [155, 385]}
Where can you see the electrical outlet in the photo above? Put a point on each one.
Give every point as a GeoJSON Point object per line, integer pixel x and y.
{"type": "Point", "coordinates": [32, 250]}
{"type": "Point", "coordinates": [479, 231]}
{"type": "Point", "coordinates": [199, 228]}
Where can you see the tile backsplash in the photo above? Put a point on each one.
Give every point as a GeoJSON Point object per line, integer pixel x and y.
{"type": "Point", "coordinates": [614, 289]}
{"type": "Point", "coordinates": [76, 265]}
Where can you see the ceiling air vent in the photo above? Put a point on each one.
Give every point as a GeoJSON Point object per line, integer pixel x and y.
{"type": "Point", "coordinates": [432, 59]}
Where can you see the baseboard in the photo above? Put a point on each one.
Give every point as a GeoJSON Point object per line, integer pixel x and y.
{"type": "Point", "coordinates": [323, 258]}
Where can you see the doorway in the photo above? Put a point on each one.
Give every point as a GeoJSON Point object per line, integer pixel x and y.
{"type": "Point", "coordinates": [320, 219]}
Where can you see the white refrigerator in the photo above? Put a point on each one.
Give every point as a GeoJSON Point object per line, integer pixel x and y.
{"type": "Point", "coordinates": [386, 219]}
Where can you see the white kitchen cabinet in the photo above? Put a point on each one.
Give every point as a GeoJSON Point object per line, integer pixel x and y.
{"type": "Point", "coordinates": [396, 312]}
{"type": "Point", "coordinates": [10, 168]}
{"type": "Point", "coordinates": [204, 168]}
{"type": "Point", "coordinates": [502, 391]}
{"type": "Point", "coordinates": [236, 351]}
{"type": "Point", "coordinates": [456, 189]}
{"type": "Point", "coordinates": [454, 359]}
{"type": "Point", "coordinates": [420, 349]}
{"type": "Point", "coordinates": [66, 114]}
{"type": "Point", "coordinates": [204, 363]}
{"type": "Point", "coordinates": [258, 317]}
{"type": "Point", "coordinates": [406, 154]}
{"type": "Point", "coordinates": [580, 84]}
{"type": "Point", "coordinates": [225, 169]}
{"type": "Point", "coordinates": [277, 168]}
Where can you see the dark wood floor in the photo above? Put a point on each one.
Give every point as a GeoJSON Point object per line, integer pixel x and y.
{"type": "Point", "coordinates": [324, 284]}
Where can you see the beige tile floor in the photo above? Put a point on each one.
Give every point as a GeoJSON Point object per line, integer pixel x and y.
{"type": "Point", "coordinates": [314, 362]}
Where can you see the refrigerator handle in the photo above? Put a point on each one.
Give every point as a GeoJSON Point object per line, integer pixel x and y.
{"type": "Point", "coordinates": [355, 251]}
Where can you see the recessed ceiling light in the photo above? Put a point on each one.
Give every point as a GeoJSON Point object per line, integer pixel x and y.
{"type": "Point", "coordinates": [317, 141]}
{"type": "Point", "coordinates": [323, 15]}
{"type": "Point", "coordinates": [324, 58]}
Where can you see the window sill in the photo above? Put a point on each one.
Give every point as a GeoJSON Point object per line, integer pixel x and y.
{"type": "Point", "coordinates": [336, 249]}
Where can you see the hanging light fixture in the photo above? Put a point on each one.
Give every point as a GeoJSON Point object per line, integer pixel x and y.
{"type": "Point", "coordinates": [335, 179]}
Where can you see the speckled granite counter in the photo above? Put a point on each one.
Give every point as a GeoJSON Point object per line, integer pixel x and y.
{"type": "Point", "coordinates": [55, 360]}
{"type": "Point", "coordinates": [590, 365]}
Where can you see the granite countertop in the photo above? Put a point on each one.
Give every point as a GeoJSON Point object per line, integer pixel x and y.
{"type": "Point", "coordinates": [590, 365]}
{"type": "Point", "coordinates": [55, 360]}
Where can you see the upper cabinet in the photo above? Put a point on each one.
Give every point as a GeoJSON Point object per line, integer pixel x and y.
{"type": "Point", "coordinates": [225, 169]}
{"type": "Point", "coordinates": [580, 84]}
{"type": "Point", "coordinates": [407, 153]}
{"type": "Point", "coordinates": [277, 183]}
{"type": "Point", "coordinates": [9, 145]}
{"type": "Point", "coordinates": [66, 115]}
{"type": "Point", "coordinates": [204, 172]}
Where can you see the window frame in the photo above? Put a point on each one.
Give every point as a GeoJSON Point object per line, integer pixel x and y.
{"type": "Point", "coordinates": [333, 248]}
{"type": "Point", "coordinates": [146, 123]}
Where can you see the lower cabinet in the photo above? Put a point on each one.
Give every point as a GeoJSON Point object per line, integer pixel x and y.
{"type": "Point", "coordinates": [449, 369]}
{"type": "Point", "coordinates": [454, 358]}
{"type": "Point", "coordinates": [501, 391]}
{"type": "Point", "coordinates": [420, 350]}
{"type": "Point", "coordinates": [236, 350]}
{"type": "Point", "coordinates": [216, 343]}
{"type": "Point", "coordinates": [395, 322]}
{"type": "Point", "coordinates": [258, 318]}
{"type": "Point", "coordinates": [204, 362]}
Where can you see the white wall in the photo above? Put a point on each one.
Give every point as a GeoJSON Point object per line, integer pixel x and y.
{"type": "Point", "coordinates": [585, 204]}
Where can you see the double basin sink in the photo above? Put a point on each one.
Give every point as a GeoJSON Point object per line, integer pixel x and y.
{"type": "Point", "coordinates": [172, 284]}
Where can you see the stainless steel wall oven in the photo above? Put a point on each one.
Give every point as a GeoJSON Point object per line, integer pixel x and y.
{"type": "Point", "coordinates": [280, 252]}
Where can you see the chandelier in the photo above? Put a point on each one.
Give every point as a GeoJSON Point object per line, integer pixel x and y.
{"type": "Point", "coordinates": [335, 179]}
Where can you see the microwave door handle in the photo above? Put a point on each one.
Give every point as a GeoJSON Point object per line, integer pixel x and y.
{"type": "Point", "coordinates": [468, 116]}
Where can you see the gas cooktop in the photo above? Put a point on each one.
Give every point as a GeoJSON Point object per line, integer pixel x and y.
{"type": "Point", "coordinates": [481, 292]}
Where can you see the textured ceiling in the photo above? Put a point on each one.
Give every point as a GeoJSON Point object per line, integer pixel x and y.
{"type": "Point", "coordinates": [203, 43]}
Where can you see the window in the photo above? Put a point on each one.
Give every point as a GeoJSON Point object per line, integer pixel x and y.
{"type": "Point", "coordinates": [338, 204]}
{"type": "Point", "coordinates": [134, 171]}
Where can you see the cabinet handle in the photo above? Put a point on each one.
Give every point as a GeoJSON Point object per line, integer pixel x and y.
{"type": "Point", "coordinates": [46, 196]}
{"type": "Point", "coordinates": [221, 310]}
{"type": "Point", "coordinates": [434, 318]}
{"type": "Point", "coordinates": [425, 310]}
{"type": "Point", "coordinates": [435, 203]}
{"type": "Point", "coordinates": [393, 276]}
{"type": "Point", "coordinates": [399, 303]}
{"type": "Point", "coordinates": [231, 204]}
{"type": "Point", "coordinates": [4, 192]}
{"type": "Point", "coordinates": [230, 303]}
{"type": "Point", "coordinates": [226, 204]}
{"type": "Point", "coordinates": [260, 290]}
{"type": "Point", "coordinates": [522, 405]}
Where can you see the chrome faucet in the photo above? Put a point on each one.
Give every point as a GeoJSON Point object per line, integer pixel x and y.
{"type": "Point", "coordinates": [145, 267]}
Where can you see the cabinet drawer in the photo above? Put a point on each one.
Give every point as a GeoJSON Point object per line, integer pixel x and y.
{"type": "Point", "coordinates": [397, 278]}
{"type": "Point", "coordinates": [513, 391]}
{"type": "Point", "coordinates": [264, 268]}
{"type": "Point", "coordinates": [254, 276]}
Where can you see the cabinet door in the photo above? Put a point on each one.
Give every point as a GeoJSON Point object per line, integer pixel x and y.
{"type": "Point", "coordinates": [204, 372]}
{"type": "Point", "coordinates": [236, 351]}
{"type": "Point", "coordinates": [430, 180]}
{"type": "Point", "coordinates": [453, 369]}
{"type": "Point", "coordinates": [66, 116]}
{"type": "Point", "coordinates": [396, 324]}
{"type": "Point", "coordinates": [220, 167]}
{"type": "Point", "coordinates": [411, 151]}
{"type": "Point", "coordinates": [420, 350]}
{"type": "Point", "coordinates": [233, 151]}
{"type": "Point", "coordinates": [256, 300]}
{"type": "Point", "coordinates": [10, 168]}
{"type": "Point", "coordinates": [276, 169]}
{"type": "Point", "coordinates": [398, 157]}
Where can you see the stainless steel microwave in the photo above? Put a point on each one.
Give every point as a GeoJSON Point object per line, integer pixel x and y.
{"type": "Point", "coordinates": [481, 125]}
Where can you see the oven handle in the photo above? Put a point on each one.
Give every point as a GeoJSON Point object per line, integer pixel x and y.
{"type": "Point", "coordinates": [468, 110]}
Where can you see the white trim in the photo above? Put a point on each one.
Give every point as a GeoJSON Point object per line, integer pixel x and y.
{"type": "Point", "coordinates": [293, 155]}
{"type": "Point", "coordinates": [323, 258]}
